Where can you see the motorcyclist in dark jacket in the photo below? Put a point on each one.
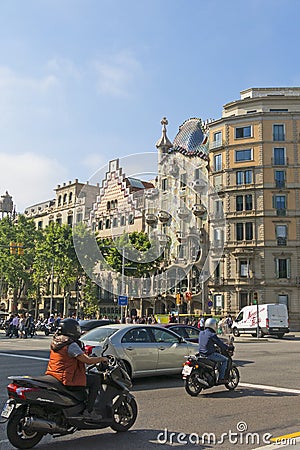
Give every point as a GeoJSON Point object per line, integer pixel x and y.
{"type": "Point", "coordinates": [208, 339]}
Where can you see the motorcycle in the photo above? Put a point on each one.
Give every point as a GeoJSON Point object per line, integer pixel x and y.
{"type": "Point", "coordinates": [48, 328]}
{"type": "Point", "coordinates": [201, 373]}
{"type": "Point", "coordinates": [42, 405]}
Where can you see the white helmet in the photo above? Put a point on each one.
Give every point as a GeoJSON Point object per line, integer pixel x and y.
{"type": "Point", "coordinates": [211, 323]}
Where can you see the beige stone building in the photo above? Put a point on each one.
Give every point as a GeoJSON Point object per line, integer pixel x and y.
{"type": "Point", "coordinates": [61, 208]}
{"type": "Point", "coordinates": [254, 166]}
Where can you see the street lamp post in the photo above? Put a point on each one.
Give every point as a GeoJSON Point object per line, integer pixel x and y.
{"type": "Point", "coordinates": [52, 282]}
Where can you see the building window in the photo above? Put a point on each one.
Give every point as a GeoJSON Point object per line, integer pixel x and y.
{"type": "Point", "coordinates": [65, 199]}
{"type": "Point", "coordinates": [244, 231]}
{"type": "Point", "coordinates": [243, 155]}
{"type": "Point", "coordinates": [107, 223]}
{"type": "Point", "coordinates": [279, 176]}
{"type": "Point", "coordinates": [249, 231]}
{"type": "Point", "coordinates": [59, 200]}
{"type": "Point", "coordinates": [79, 218]}
{"type": "Point", "coordinates": [183, 180]}
{"type": "Point", "coordinates": [217, 139]}
{"type": "Point", "coordinates": [108, 206]}
{"type": "Point", "coordinates": [244, 202]}
{"type": "Point", "coordinates": [239, 231]}
{"type": "Point", "coordinates": [244, 269]}
{"type": "Point", "coordinates": [279, 203]}
{"type": "Point", "coordinates": [218, 162]}
{"type": "Point", "coordinates": [248, 202]}
{"type": "Point", "coordinates": [219, 208]}
{"type": "Point", "coordinates": [281, 234]}
{"type": "Point", "coordinates": [164, 184]}
{"type": "Point", "coordinates": [130, 219]}
{"type": "Point", "coordinates": [279, 158]}
{"type": "Point", "coordinates": [70, 220]}
{"type": "Point", "coordinates": [59, 221]}
{"type": "Point", "coordinates": [100, 225]}
{"type": "Point", "coordinates": [283, 299]}
{"type": "Point", "coordinates": [244, 177]}
{"type": "Point", "coordinates": [239, 202]}
{"type": "Point", "coordinates": [40, 224]}
{"type": "Point", "coordinates": [243, 132]}
{"type": "Point", "coordinates": [70, 197]}
{"type": "Point", "coordinates": [123, 221]}
{"type": "Point", "coordinates": [115, 222]}
{"type": "Point", "coordinates": [278, 133]}
{"type": "Point", "coordinates": [283, 268]}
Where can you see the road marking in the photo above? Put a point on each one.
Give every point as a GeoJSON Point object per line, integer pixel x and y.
{"type": "Point", "coordinates": [24, 356]}
{"type": "Point", "coordinates": [285, 437]}
{"type": "Point", "coordinates": [270, 388]}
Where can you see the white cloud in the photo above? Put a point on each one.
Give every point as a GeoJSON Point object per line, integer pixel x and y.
{"type": "Point", "coordinates": [29, 178]}
{"type": "Point", "coordinates": [117, 75]}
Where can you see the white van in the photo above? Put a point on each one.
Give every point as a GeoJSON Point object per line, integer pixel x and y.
{"type": "Point", "coordinates": [272, 318]}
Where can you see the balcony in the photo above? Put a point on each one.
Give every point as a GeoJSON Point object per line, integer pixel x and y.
{"type": "Point", "coordinates": [281, 241]}
{"type": "Point", "coordinates": [281, 212]}
{"type": "Point", "coordinates": [280, 184]}
{"type": "Point", "coordinates": [280, 161]}
{"type": "Point", "coordinates": [151, 219]}
{"type": "Point", "coordinates": [199, 210]}
{"type": "Point", "coordinates": [164, 216]}
{"type": "Point", "coordinates": [216, 144]}
{"type": "Point", "coordinates": [199, 185]}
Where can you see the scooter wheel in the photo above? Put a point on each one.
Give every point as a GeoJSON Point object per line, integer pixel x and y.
{"type": "Point", "coordinates": [234, 378]}
{"type": "Point", "coordinates": [192, 385]}
{"type": "Point", "coordinates": [125, 414]}
{"type": "Point", "coordinates": [18, 437]}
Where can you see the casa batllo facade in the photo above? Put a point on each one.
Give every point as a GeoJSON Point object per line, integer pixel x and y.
{"type": "Point", "coordinates": [254, 166]}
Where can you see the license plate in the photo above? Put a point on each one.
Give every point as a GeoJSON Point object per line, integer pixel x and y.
{"type": "Point", "coordinates": [187, 370]}
{"type": "Point", "coordinates": [7, 409]}
{"type": "Point", "coordinates": [275, 329]}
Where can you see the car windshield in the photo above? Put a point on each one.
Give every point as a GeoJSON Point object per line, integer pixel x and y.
{"type": "Point", "coordinates": [99, 334]}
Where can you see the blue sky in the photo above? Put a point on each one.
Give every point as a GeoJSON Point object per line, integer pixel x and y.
{"type": "Point", "coordinates": [85, 81]}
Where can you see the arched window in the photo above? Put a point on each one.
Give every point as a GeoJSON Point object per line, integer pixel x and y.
{"type": "Point", "coordinates": [130, 219]}
{"type": "Point", "coordinates": [112, 204]}
{"type": "Point", "coordinates": [100, 225]}
{"type": "Point", "coordinates": [70, 197]}
{"type": "Point", "coordinates": [65, 198]}
{"type": "Point", "coordinates": [59, 200]}
{"type": "Point", "coordinates": [123, 221]}
{"type": "Point", "coordinates": [107, 223]}
{"type": "Point", "coordinates": [115, 222]}
{"type": "Point", "coordinates": [108, 206]}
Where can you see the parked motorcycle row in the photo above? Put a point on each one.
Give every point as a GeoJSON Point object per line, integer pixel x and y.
{"type": "Point", "coordinates": [38, 406]}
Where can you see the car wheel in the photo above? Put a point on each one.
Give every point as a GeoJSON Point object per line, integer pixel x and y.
{"type": "Point", "coordinates": [235, 332]}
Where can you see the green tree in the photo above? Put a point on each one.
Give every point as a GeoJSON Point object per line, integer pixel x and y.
{"type": "Point", "coordinates": [16, 269]}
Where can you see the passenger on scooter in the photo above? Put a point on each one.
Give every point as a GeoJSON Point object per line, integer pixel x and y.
{"type": "Point", "coordinates": [67, 364]}
{"type": "Point", "coordinates": [207, 341]}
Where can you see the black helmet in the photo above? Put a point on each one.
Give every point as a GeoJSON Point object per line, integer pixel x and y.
{"type": "Point", "coordinates": [69, 327]}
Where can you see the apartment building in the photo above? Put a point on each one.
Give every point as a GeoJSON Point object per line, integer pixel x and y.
{"type": "Point", "coordinates": [254, 167]}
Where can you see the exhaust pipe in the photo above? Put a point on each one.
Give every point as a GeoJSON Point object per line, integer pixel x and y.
{"type": "Point", "coordinates": [43, 426]}
{"type": "Point", "coordinates": [203, 382]}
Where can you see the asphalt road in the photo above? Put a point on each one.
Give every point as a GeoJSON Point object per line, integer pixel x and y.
{"type": "Point", "coordinates": [266, 402]}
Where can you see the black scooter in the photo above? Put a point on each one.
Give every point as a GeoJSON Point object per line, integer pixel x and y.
{"type": "Point", "coordinates": [42, 405]}
{"type": "Point", "coordinates": [201, 373]}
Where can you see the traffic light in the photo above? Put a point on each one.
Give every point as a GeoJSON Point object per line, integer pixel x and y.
{"type": "Point", "coordinates": [20, 248]}
{"type": "Point", "coordinates": [12, 248]}
{"type": "Point", "coordinates": [255, 297]}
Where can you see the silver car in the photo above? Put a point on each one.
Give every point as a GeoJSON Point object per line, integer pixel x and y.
{"type": "Point", "coordinates": [145, 349]}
